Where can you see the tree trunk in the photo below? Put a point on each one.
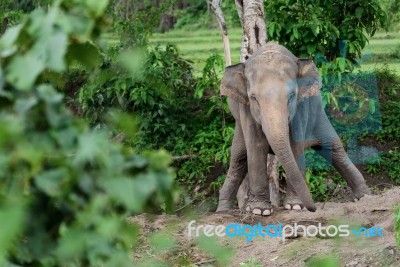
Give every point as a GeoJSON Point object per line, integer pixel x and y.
{"type": "Point", "coordinates": [273, 177]}
{"type": "Point", "coordinates": [251, 14]}
{"type": "Point", "coordinates": [216, 7]}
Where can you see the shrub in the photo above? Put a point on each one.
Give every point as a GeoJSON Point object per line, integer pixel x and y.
{"type": "Point", "coordinates": [311, 28]}
{"type": "Point", "coordinates": [159, 92]}
{"type": "Point", "coordinates": [66, 190]}
{"type": "Point", "coordinates": [389, 97]}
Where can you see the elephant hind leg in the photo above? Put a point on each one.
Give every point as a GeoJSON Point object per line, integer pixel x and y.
{"type": "Point", "coordinates": [242, 194]}
{"type": "Point", "coordinates": [335, 154]}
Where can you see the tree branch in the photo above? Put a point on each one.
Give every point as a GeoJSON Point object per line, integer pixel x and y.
{"type": "Point", "coordinates": [216, 7]}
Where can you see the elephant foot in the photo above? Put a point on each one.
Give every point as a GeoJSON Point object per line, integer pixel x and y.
{"type": "Point", "coordinates": [293, 203]}
{"type": "Point", "coordinates": [259, 205]}
{"type": "Point", "coordinates": [361, 191]}
{"type": "Point", "coordinates": [224, 205]}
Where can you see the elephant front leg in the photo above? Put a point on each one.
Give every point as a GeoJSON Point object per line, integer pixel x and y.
{"type": "Point", "coordinates": [236, 173]}
{"type": "Point", "coordinates": [257, 152]}
{"type": "Point", "coordinates": [292, 201]}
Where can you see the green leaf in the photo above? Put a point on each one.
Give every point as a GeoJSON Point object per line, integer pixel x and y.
{"type": "Point", "coordinates": [12, 218]}
{"type": "Point", "coordinates": [342, 64]}
{"type": "Point", "coordinates": [359, 12]}
{"type": "Point", "coordinates": [7, 41]}
{"type": "Point", "coordinates": [86, 54]}
{"type": "Point", "coordinates": [25, 104]}
{"type": "Point", "coordinates": [56, 48]}
{"type": "Point", "coordinates": [23, 71]}
{"type": "Point", "coordinates": [335, 102]}
{"type": "Point", "coordinates": [132, 193]}
{"type": "Point", "coordinates": [295, 33]}
{"type": "Point", "coordinates": [315, 29]}
{"type": "Point", "coordinates": [311, 49]}
{"type": "Point", "coordinates": [71, 244]}
{"type": "Point", "coordinates": [372, 105]}
{"type": "Point", "coordinates": [271, 29]}
{"type": "Point", "coordinates": [51, 182]}
{"type": "Point", "coordinates": [91, 149]}
{"type": "Point", "coordinates": [352, 48]}
{"type": "Point", "coordinates": [49, 94]}
{"type": "Point", "coordinates": [97, 6]}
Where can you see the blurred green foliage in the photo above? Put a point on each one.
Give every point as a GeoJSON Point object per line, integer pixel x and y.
{"type": "Point", "coordinates": [66, 190]}
{"type": "Point", "coordinates": [177, 110]}
{"type": "Point", "coordinates": [323, 261]}
{"type": "Point", "coordinates": [389, 160]}
{"type": "Point", "coordinates": [12, 10]}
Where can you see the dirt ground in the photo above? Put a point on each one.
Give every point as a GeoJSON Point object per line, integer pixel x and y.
{"type": "Point", "coordinates": [376, 210]}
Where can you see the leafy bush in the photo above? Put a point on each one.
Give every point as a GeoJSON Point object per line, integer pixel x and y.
{"type": "Point", "coordinates": [311, 28]}
{"type": "Point", "coordinates": [390, 98]}
{"type": "Point", "coordinates": [159, 92]}
{"type": "Point", "coordinates": [388, 163]}
{"type": "Point", "coordinates": [177, 111]}
{"type": "Point", "coordinates": [66, 190]}
{"type": "Point", "coordinates": [324, 183]}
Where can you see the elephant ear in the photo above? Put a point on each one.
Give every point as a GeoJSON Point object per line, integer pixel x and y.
{"type": "Point", "coordinates": [233, 84]}
{"type": "Point", "coordinates": [309, 82]}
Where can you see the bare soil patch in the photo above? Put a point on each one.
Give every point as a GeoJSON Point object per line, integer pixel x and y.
{"type": "Point", "coordinates": [376, 210]}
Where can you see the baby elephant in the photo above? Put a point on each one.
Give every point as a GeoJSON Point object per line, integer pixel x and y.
{"type": "Point", "coordinates": [276, 101]}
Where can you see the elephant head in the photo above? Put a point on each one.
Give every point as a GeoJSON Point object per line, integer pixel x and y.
{"type": "Point", "coordinates": [273, 82]}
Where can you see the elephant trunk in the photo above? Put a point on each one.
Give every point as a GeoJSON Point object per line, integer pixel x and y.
{"type": "Point", "coordinates": [276, 129]}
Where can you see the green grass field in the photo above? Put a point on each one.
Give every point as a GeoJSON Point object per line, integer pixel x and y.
{"type": "Point", "coordinates": [198, 45]}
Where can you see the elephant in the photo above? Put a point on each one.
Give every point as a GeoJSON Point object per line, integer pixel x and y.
{"type": "Point", "coordinates": [277, 105]}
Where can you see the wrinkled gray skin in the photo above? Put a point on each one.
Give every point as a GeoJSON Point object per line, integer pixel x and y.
{"type": "Point", "coordinates": [275, 100]}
